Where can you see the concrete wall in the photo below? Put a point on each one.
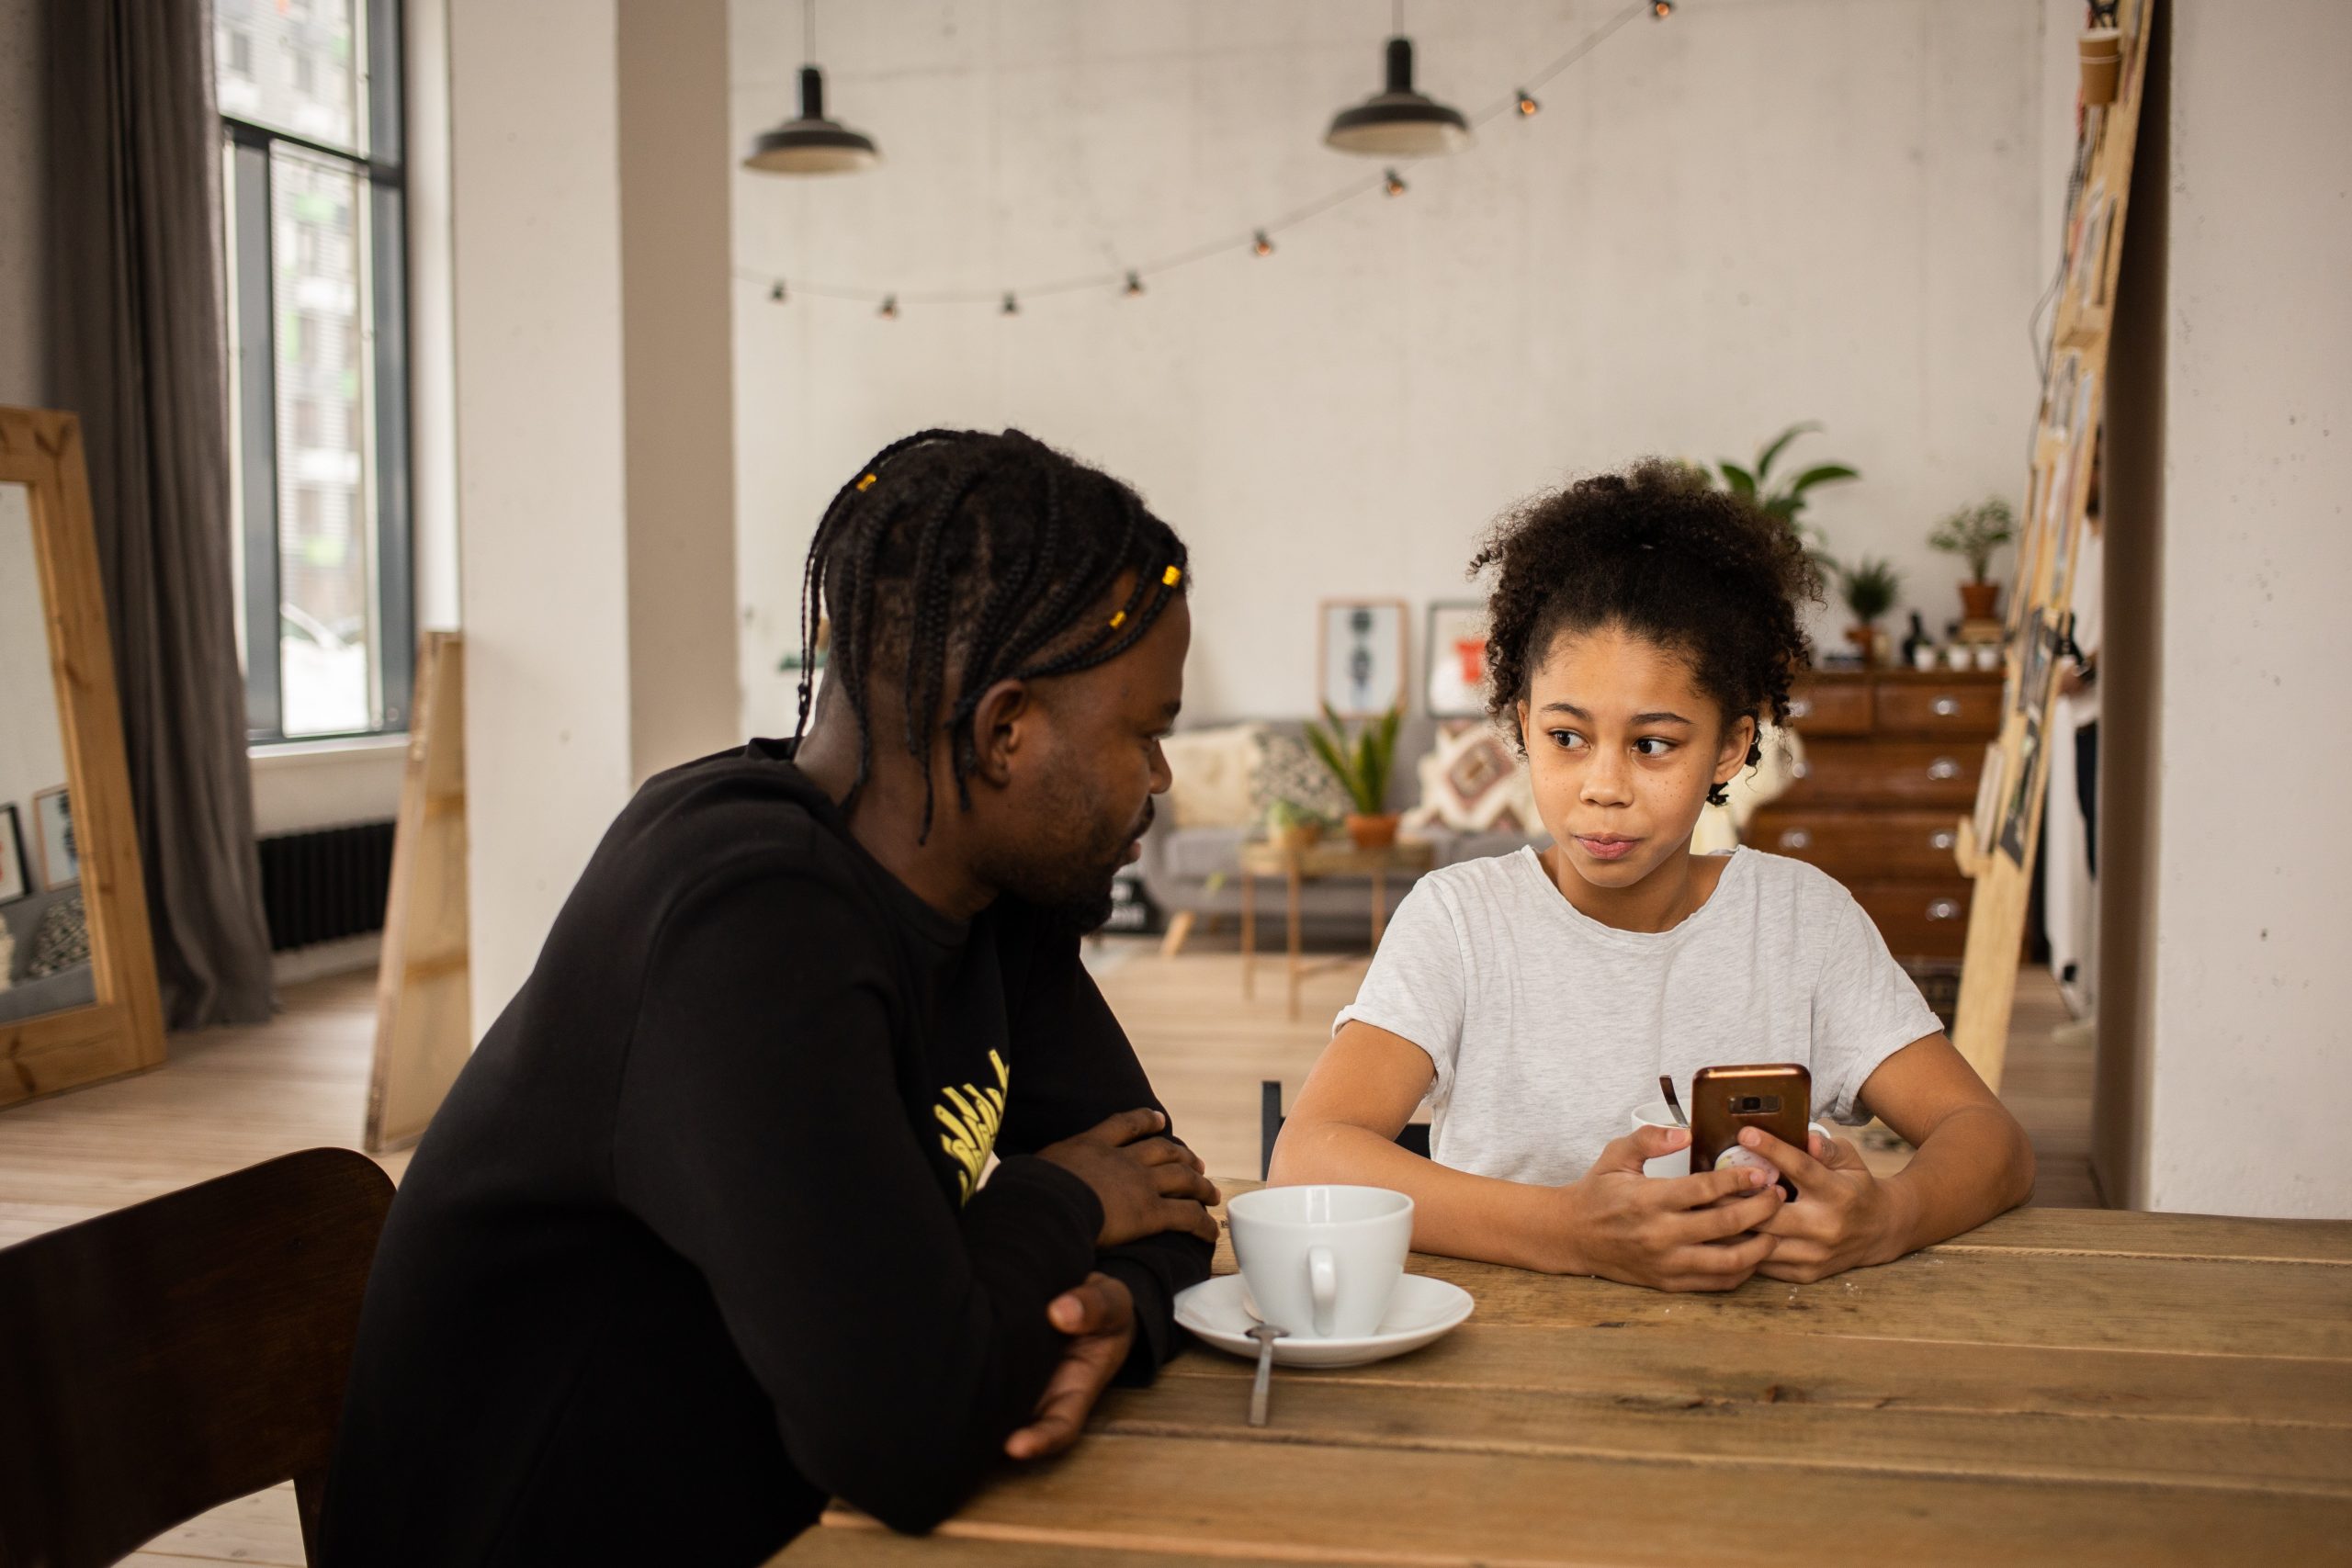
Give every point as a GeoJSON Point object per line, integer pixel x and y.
{"type": "Point", "coordinates": [23, 335]}
{"type": "Point", "coordinates": [1748, 215]}
{"type": "Point", "coordinates": [2242, 861]}
{"type": "Point", "coordinates": [546, 300]}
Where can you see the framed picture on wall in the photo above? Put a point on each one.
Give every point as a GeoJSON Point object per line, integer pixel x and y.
{"type": "Point", "coordinates": [1454, 684]}
{"type": "Point", "coordinates": [61, 860]}
{"type": "Point", "coordinates": [1360, 655]}
{"type": "Point", "coordinates": [2016, 820]}
{"type": "Point", "coordinates": [14, 881]}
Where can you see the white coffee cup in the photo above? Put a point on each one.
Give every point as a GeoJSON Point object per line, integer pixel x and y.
{"type": "Point", "coordinates": [1321, 1262]}
{"type": "Point", "coordinates": [1656, 1114]}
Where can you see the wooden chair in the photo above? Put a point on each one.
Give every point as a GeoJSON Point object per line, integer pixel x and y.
{"type": "Point", "coordinates": [178, 1354]}
{"type": "Point", "coordinates": [1413, 1139]}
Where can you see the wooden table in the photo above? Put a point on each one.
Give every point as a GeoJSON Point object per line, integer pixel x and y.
{"type": "Point", "coordinates": [2062, 1386]}
{"type": "Point", "coordinates": [1296, 868]}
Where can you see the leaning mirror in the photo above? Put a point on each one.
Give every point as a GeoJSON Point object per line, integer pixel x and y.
{"type": "Point", "coordinates": [77, 969]}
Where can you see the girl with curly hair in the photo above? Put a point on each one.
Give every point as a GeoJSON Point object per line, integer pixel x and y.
{"type": "Point", "coordinates": [1644, 628]}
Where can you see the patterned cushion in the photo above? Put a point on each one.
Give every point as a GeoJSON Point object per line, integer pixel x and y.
{"type": "Point", "coordinates": [1473, 782]}
{"type": "Point", "coordinates": [1213, 770]}
{"type": "Point", "coordinates": [62, 942]}
{"type": "Point", "coordinates": [1288, 770]}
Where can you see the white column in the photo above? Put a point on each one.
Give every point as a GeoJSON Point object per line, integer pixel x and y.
{"type": "Point", "coordinates": [2236, 859]}
{"type": "Point", "coordinates": [540, 241]}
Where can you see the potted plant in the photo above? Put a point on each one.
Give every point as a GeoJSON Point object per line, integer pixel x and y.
{"type": "Point", "coordinates": [1785, 497]}
{"type": "Point", "coordinates": [1975, 531]}
{"type": "Point", "coordinates": [1362, 766]}
{"type": "Point", "coordinates": [1870, 587]}
{"type": "Point", "coordinates": [1294, 827]}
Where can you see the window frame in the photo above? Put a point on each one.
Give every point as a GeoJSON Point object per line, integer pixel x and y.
{"type": "Point", "coordinates": [251, 287]}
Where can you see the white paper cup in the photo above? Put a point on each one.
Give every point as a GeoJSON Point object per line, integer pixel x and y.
{"type": "Point", "coordinates": [1321, 1262]}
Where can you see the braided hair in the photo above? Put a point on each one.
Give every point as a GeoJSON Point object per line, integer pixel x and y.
{"type": "Point", "coordinates": [964, 559]}
{"type": "Point", "coordinates": [1656, 552]}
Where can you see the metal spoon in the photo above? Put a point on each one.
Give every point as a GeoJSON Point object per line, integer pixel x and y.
{"type": "Point", "coordinates": [1666, 1082]}
{"type": "Point", "coordinates": [1265, 1334]}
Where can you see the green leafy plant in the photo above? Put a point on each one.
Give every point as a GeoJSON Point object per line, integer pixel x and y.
{"type": "Point", "coordinates": [1870, 587]}
{"type": "Point", "coordinates": [1361, 765]}
{"type": "Point", "coordinates": [1785, 495]}
{"type": "Point", "coordinates": [1286, 813]}
{"type": "Point", "coordinates": [1975, 531]}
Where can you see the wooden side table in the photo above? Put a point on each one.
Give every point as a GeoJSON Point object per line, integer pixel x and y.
{"type": "Point", "coordinates": [1332, 857]}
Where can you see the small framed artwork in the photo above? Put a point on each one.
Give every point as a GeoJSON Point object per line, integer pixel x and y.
{"type": "Point", "coordinates": [1987, 820]}
{"type": "Point", "coordinates": [1360, 655]}
{"type": "Point", "coordinates": [1454, 685]}
{"type": "Point", "coordinates": [2017, 820]}
{"type": "Point", "coordinates": [61, 859]}
{"type": "Point", "coordinates": [14, 881]}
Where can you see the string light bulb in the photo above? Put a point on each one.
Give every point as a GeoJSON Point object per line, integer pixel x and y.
{"type": "Point", "coordinates": [890, 306]}
{"type": "Point", "coordinates": [775, 295]}
{"type": "Point", "coordinates": [1392, 183]}
{"type": "Point", "coordinates": [1011, 306]}
{"type": "Point", "coordinates": [1527, 104]}
{"type": "Point", "coordinates": [1134, 285]}
{"type": "Point", "coordinates": [1260, 244]}
{"type": "Point", "coordinates": [1661, 9]}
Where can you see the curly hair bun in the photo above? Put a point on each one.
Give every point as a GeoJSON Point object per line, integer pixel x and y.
{"type": "Point", "coordinates": [1656, 552]}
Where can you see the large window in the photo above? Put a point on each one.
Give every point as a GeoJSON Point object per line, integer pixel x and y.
{"type": "Point", "coordinates": [309, 95]}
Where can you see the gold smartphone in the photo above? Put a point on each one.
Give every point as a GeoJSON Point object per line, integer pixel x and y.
{"type": "Point", "coordinates": [1776, 1097]}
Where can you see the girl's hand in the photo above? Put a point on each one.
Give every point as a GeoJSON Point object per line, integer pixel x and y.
{"type": "Point", "coordinates": [1843, 1217]}
{"type": "Point", "coordinates": [1683, 1232]}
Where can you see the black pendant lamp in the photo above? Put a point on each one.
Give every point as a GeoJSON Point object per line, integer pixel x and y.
{"type": "Point", "coordinates": [1398, 122]}
{"type": "Point", "coordinates": [812, 144]}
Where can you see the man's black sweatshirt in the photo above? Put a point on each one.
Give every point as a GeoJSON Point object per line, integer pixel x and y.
{"type": "Point", "coordinates": [698, 1238]}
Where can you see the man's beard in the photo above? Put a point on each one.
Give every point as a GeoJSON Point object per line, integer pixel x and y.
{"type": "Point", "coordinates": [1082, 903]}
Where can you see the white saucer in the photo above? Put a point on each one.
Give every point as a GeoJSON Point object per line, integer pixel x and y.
{"type": "Point", "coordinates": [1422, 1309]}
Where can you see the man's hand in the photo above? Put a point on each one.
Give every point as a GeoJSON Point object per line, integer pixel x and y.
{"type": "Point", "coordinates": [1147, 1184]}
{"type": "Point", "coordinates": [1842, 1217]}
{"type": "Point", "coordinates": [1682, 1232]}
{"type": "Point", "coordinates": [1100, 1318]}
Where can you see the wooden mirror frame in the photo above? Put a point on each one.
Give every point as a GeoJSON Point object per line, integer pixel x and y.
{"type": "Point", "coordinates": [123, 1030]}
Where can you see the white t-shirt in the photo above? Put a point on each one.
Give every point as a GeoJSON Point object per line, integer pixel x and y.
{"type": "Point", "coordinates": [1547, 1027]}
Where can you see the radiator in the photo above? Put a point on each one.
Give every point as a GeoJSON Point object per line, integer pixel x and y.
{"type": "Point", "coordinates": [327, 885]}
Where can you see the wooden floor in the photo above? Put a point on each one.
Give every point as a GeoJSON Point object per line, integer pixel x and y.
{"type": "Point", "coordinates": [233, 1097]}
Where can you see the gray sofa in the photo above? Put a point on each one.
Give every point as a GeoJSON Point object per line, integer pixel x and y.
{"type": "Point", "coordinates": [1197, 869]}
{"type": "Point", "coordinates": [75, 987]}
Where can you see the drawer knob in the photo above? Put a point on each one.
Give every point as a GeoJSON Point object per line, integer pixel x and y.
{"type": "Point", "coordinates": [1800, 707]}
{"type": "Point", "coordinates": [1795, 839]}
{"type": "Point", "coordinates": [1943, 768]}
{"type": "Point", "coordinates": [1941, 839]}
{"type": "Point", "coordinates": [1944, 909]}
{"type": "Point", "coordinates": [1946, 708]}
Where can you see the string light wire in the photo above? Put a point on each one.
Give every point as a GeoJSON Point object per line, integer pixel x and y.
{"type": "Point", "coordinates": [1250, 239]}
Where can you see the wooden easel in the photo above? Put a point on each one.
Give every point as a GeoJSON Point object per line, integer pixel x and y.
{"type": "Point", "coordinates": [424, 1008]}
{"type": "Point", "coordinates": [1998, 847]}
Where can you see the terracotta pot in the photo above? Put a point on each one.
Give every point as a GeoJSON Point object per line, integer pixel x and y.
{"type": "Point", "coordinates": [1978, 600]}
{"type": "Point", "coordinates": [1298, 836]}
{"type": "Point", "coordinates": [1374, 832]}
{"type": "Point", "coordinates": [1862, 638]}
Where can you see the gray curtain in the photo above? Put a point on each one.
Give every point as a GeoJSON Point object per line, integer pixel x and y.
{"type": "Point", "coordinates": [136, 347]}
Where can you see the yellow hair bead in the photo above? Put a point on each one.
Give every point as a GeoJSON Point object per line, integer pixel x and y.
{"type": "Point", "coordinates": [867, 483]}
{"type": "Point", "coordinates": [1172, 576]}
{"type": "Point", "coordinates": [1118, 620]}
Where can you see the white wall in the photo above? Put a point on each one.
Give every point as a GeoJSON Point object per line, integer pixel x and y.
{"type": "Point", "coordinates": [539, 209]}
{"type": "Point", "coordinates": [32, 747]}
{"type": "Point", "coordinates": [23, 335]}
{"type": "Point", "coordinates": [2249, 1021]}
{"type": "Point", "coordinates": [1751, 214]}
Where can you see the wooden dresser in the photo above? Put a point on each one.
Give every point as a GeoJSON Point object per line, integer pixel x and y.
{"type": "Point", "coordinates": [1891, 763]}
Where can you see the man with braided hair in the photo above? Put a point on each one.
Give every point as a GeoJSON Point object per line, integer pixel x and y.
{"type": "Point", "coordinates": [809, 1160]}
